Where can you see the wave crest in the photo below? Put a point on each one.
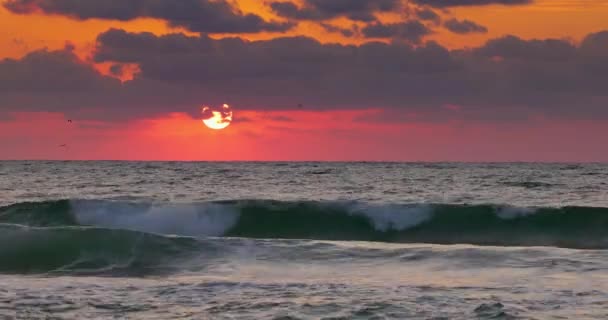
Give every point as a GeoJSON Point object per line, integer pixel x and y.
{"type": "Point", "coordinates": [571, 227]}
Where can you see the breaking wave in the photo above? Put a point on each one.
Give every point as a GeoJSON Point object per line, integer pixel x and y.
{"type": "Point", "coordinates": [570, 227]}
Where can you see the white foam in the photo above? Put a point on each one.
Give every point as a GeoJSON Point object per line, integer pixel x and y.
{"type": "Point", "coordinates": [394, 217]}
{"type": "Point", "coordinates": [193, 220]}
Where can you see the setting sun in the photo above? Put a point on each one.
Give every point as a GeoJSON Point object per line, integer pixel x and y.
{"type": "Point", "coordinates": [217, 119]}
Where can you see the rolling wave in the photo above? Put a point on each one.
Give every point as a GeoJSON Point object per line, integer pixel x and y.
{"type": "Point", "coordinates": [570, 227]}
{"type": "Point", "coordinates": [90, 250]}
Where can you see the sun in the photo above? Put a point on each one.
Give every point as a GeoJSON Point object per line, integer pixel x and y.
{"type": "Point", "coordinates": [218, 118]}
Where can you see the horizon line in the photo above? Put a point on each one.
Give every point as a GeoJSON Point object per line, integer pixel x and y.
{"type": "Point", "coordinates": [316, 161]}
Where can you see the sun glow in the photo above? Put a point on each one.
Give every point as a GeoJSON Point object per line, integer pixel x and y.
{"type": "Point", "coordinates": [217, 119]}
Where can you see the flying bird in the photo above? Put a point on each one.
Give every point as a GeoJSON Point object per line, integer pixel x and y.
{"type": "Point", "coordinates": [69, 121]}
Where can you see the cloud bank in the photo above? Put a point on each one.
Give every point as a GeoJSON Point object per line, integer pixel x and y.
{"type": "Point", "coordinates": [506, 78]}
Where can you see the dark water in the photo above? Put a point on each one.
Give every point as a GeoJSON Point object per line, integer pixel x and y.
{"type": "Point", "coordinates": [303, 240]}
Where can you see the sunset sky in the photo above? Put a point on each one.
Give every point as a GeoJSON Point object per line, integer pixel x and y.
{"type": "Point", "coordinates": [373, 80]}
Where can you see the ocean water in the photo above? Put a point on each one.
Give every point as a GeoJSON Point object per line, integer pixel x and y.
{"type": "Point", "coordinates": [160, 240]}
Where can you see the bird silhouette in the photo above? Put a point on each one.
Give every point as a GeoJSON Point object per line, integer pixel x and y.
{"type": "Point", "coordinates": [69, 121]}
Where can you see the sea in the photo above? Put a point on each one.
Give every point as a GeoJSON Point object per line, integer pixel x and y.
{"type": "Point", "coordinates": [303, 240]}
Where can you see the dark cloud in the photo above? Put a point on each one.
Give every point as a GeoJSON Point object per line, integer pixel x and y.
{"type": "Point", "coordinates": [458, 3]}
{"type": "Point", "coordinates": [464, 26]}
{"type": "Point", "coordinates": [596, 45]}
{"type": "Point", "coordinates": [507, 78]}
{"type": "Point", "coordinates": [427, 14]}
{"type": "Point", "coordinates": [513, 48]}
{"type": "Point", "coordinates": [208, 16]}
{"type": "Point", "coordinates": [318, 10]}
{"type": "Point", "coordinates": [554, 67]}
{"type": "Point", "coordinates": [57, 81]}
{"type": "Point", "coordinates": [412, 31]}
{"type": "Point", "coordinates": [56, 72]}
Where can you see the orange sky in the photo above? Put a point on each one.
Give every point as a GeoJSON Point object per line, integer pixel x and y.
{"type": "Point", "coordinates": [330, 135]}
{"type": "Point", "coordinates": [545, 19]}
